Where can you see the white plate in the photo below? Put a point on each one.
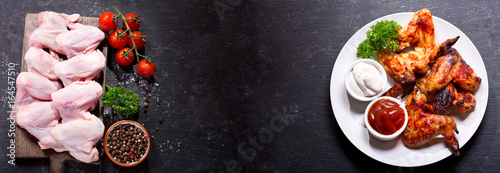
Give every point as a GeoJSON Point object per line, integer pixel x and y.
{"type": "Point", "coordinates": [349, 112]}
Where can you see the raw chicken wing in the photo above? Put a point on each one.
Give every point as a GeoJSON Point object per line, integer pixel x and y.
{"type": "Point", "coordinates": [51, 25]}
{"type": "Point", "coordinates": [32, 87]}
{"type": "Point", "coordinates": [80, 135]}
{"type": "Point", "coordinates": [39, 118]}
{"type": "Point", "coordinates": [40, 62]}
{"type": "Point", "coordinates": [81, 40]}
{"type": "Point", "coordinates": [81, 67]}
{"type": "Point", "coordinates": [76, 98]}
{"type": "Point", "coordinates": [59, 19]}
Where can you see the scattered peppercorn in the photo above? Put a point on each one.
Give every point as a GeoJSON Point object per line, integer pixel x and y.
{"type": "Point", "coordinates": [145, 104]}
{"type": "Point", "coordinates": [160, 120]}
{"type": "Point", "coordinates": [157, 128]}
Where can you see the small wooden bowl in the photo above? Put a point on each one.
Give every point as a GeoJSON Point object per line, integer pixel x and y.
{"type": "Point", "coordinates": [111, 128]}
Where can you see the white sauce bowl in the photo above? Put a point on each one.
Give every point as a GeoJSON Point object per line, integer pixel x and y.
{"type": "Point", "coordinates": [362, 97]}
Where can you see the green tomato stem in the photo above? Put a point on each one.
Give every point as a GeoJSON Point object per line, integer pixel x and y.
{"type": "Point", "coordinates": [129, 33]}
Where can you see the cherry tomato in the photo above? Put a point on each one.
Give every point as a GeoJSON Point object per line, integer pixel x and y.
{"type": "Point", "coordinates": [138, 38]}
{"type": "Point", "coordinates": [133, 21]}
{"type": "Point", "coordinates": [116, 41]}
{"type": "Point", "coordinates": [108, 21]}
{"type": "Point", "coordinates": [145, 68]}
{"type": "Point", "coordinates": [123, 58]}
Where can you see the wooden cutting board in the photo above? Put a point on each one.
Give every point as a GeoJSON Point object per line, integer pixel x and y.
{"type": "Point", "coordinates": [26, 145]}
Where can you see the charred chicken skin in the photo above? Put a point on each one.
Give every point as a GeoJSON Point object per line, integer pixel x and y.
{"type": "Point", "coordinates": [450, 67]}
{"type": "Point", "coordinates": [423, 127]}
{"type": "Point", "coordinates": [403, 66]}
{"type": "Point", "coordinates": [463, 100]}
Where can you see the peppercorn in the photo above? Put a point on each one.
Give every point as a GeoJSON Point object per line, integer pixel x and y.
{"type": "Point", "coordinates": [126, 143]}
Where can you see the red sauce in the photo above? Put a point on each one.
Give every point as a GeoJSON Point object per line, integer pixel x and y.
{"type": "Point", "coordinates": [386, 117]}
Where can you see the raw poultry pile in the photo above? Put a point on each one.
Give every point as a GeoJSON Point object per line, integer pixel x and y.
{"type": "Point", "coordinates": [55, 96]}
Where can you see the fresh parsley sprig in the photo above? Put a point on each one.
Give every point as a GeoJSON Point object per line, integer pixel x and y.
{"type": "Point", "coordinates": [383, 35]}
{"type": "Point", "coordinates": [124, 102]}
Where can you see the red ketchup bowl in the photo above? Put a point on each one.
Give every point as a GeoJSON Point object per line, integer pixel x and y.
{"type": "Point", "coordinates": [386, 118]}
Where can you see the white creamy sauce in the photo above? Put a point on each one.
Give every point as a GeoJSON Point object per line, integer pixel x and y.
{"type": "Point", "coordinates": [365, 80]}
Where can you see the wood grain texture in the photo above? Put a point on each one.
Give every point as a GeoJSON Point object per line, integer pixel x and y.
{"type": "Point", "coordinates": [26, 144]}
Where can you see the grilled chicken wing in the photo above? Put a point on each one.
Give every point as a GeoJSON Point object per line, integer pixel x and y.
{"type": "Point", "coordinates": [403, 66]}
{"type": "Point", "coordinates": [462, 99]}
{"type": "Point", "coordinates": [419, 32]}
{"type": "Point", "coordinates": [464, 76]}
{"type": "Point", "coordinates": [398, 67]}
{"type": "Point", "coordinates": [423, 127]}
{"type": "Point", "coordinates": [450, 67]}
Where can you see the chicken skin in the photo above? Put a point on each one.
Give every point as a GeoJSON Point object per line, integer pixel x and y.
{"type": "Point", "coordinates": [423, 127]}
{"type": "Point", "coordinates": [60, 118]}
{"type": "Point", "coordinates": [39, 118]}
{"type": "Point", "coordinates": [76, 98]}
{"type": "Point", "coordinates": [51, 24]}
{"type": "Point", "coordinates": [82, 39]}
{"type": "Point", "coordinates": [403, 66]}
{"type": "Point", "coordinates": [73, 103]}
{"type": "Point", "coordinates": [32, 87]}
{"type": "Point", "coordinates": [419, 32]}
{"type": "Point", "coordinates": [82, 67]}
{"type": "Point", "coordinates": [80, 135]}
{"type": "Point", "coordinates": [463, 100]}
{"type": "Point", "coordinates": [40, 62]}
{"type": "Point", "coordinates": [450, 67]}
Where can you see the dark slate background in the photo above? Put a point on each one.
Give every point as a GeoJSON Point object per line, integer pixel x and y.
{"type": "Point", "coordinates": [244, 85]}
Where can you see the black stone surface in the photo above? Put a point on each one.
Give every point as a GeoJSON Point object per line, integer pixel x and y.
{"type": "Point", "coordinates": [244, 85]}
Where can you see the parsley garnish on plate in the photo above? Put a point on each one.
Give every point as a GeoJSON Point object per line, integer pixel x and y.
{"type": "Point", "coordinates": [383, 35]}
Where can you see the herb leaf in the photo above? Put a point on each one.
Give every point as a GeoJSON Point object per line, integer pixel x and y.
{"type": "Point", "coordinates": [383, 35]}
{"type": "Point", "coordinates": [122, 102]}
